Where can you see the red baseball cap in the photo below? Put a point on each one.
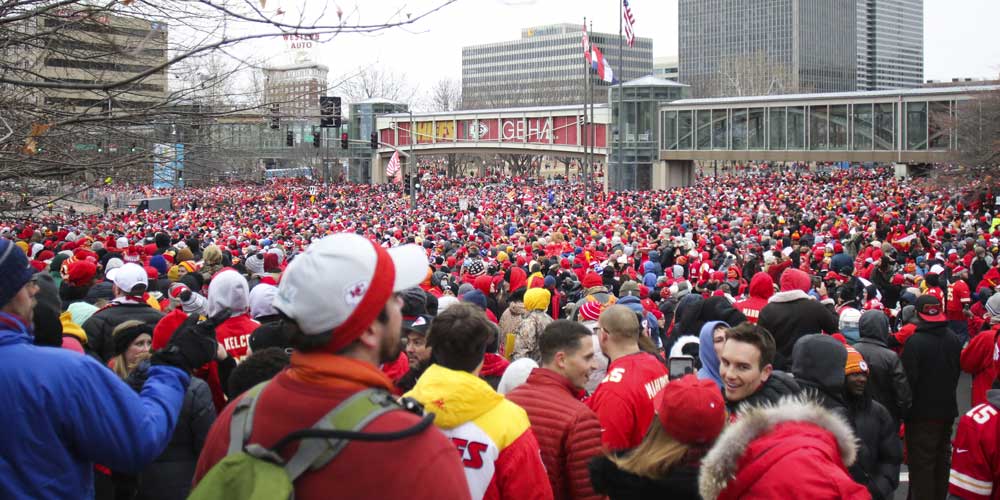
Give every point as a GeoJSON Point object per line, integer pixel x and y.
{"type": "Point", "coordinates": [929, 308]}
{"type": "Point", "coordinates": [690, 410]}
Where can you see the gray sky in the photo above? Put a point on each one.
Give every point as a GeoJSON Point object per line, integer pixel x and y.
{"type": "Point", "coordinates": [959, 37]}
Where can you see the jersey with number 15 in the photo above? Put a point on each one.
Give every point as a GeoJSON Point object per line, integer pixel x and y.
{"type": "Point", "coordinates": [975, 458]}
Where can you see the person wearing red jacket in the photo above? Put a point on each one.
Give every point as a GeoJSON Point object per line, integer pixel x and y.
{"type": "Point", "coordinates": [229, 290]}
{"type": "Point", "coordinates": [958, 303]}
{"type": "Point", "coordinates": [796, 449]}
{"type": "Point", "coordinates": [493, 436]}
{"type": "Point", "coordinates": [624, 400]}
{"type": "Point", "coordinates": [568, 432]}
{"type": "Point", "coordinates": [977, 357]}
{"type": "Point", "coordinates": [342, 331]}
{"type": "Point", "coordinates": [975, 451]}
{"type": "Point", "coordinates": [761, 289]}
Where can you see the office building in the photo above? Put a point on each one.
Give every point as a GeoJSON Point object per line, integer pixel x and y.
{"type": "Point", "coordinates": [296, 89]}
{"type": "Point", "coordinates": [544, 67]}
{"type": "Point", "coordinates": [761, 47]}
{"type": "Point", "coordinates": [87, 47]}
{"type": "Point", "coordinates": [666, 67]}
{"type": "Point", "coordinates": [890, 44]}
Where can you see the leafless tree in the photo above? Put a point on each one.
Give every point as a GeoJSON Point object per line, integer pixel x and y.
{"type": "Point", "coordinates": [976, 123]}
{"type": "Point", "coordinates": [88, 87]}
{"type": "Point", "coordinates": [445, 95]}
{"type": "Point", "coordinates": [377, 82]}
{"type": "Point", "coordinates": [748, 75]}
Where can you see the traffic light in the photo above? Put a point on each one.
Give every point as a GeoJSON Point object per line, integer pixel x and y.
{"type": "Point", "coordinates": [374, 140]}
{"type": "Point", "coordinates": [100, 146]}
{"type": "Point", "coordinates": [406, 185]}
{"type": "Point", "coordinates": [343, 140]}
{"type": "Point", "coordinates": [329, 111]}
{"type": "Point", "coordinates": [315, 138]}
{"type": "Point", "coordinates": [132, 149]}
{"type": "Point", "coordinates": [289, 139]}
{"type": "Point", "coordinates": [275, 120]}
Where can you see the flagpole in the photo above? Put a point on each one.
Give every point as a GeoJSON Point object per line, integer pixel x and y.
{"type": "Point", "coordinates": [592, 134]}
{"type": "Point", "coordinates": [621, 78]}
{"type": "Point", "coordinates": [586, 92]}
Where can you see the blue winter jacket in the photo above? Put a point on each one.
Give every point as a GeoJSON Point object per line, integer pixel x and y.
{"type": "Point", "coordinates": [62, 412]}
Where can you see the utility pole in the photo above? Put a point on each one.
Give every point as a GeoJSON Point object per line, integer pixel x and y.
{"type": "Point", "coordinates": [413, 159]}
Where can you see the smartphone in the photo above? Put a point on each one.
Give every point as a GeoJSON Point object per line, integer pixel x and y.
{"type": "Point", "coordinates": [678, 366]}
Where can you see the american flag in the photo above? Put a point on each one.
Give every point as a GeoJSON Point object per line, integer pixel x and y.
{"type": "Point", "coordinates": [586, 44]}
{"type": "Point", "coordinates": [629, 24]}
{"type": "Point", "coordinates": [392, 168]}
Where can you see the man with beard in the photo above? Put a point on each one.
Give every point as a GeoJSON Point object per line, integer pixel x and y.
{"type": "Point", "coordinates": [418, 353]}
{"type": "Point", "coordinates": [340, 302]}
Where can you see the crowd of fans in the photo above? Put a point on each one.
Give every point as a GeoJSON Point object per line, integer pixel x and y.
{"type": "Point", "coordinates": [777, 334]}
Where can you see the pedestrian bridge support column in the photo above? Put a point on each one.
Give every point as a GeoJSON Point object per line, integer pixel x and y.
{"type": "Point", "coordinates": [903, 170]}
{"type": "Point", "coordinates": [672, 173]}
{"type": "Point", "coordinates": [377, 170]}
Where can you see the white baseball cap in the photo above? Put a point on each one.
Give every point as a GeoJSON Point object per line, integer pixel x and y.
{"type": "Point", "coordinates": [128, 276]}
{"type": "Point", "coordinates": [343, 282]}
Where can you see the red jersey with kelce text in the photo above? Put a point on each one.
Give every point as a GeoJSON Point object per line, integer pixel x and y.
{"type": "Point", "coordinates": [624, 400]}
{"type": "Point", "coordinates": [975, 455]}
{"type": "Point", "coordinates": [959, 297]}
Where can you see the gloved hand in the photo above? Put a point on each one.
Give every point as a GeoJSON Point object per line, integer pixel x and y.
{"type": "Point", "coordinates": [193, 344]}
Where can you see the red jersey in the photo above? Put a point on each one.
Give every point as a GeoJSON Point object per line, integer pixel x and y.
{"type": "Point", "coordinates": [624, 400]}
{"type": "Point", "coordinates": [959, 297]}
{"type": "Point", "coordinates": [234, 335]}
{"type": "Point", "coordinates": [975, 456]}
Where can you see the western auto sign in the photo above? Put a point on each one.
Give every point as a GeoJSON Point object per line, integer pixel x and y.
{"type": "Point", "coordinates": [300, 41]}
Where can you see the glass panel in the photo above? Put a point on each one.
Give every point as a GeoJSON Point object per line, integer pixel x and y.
{"type": "Point", "coordinates": [796, 127]}
{"type": "Point", "coordinates": [776, 122]}
{"type": "Point", "coordinates": [647, 110]}
{"type": "Point", "coordinates": [885, 121]}
{"type": "Point", "coordinates": [937, 124]}
{"type": "Point", "coordinates": [704, 129]}
{"type": "Point", "coordinates": [720, 128]}
{"type": "Point", "coordinates": [916, 125]}
{"type": "Point", "coordinates": [669, 140]}
{"type": "Point", "coordinates": [817, 127]}
{"type": "Point", "coordinates": [862, 127]}
{"type": "Point", "coordinates": [755, 129]}
{"type": "Point", "coordinates": [630, 121]}
{"type": "Point", "coordinates": [738, 139]}
{"type": "Point", "coordinates": [838, 126]}
{"type": "Point", "coordinates": [684, 130]}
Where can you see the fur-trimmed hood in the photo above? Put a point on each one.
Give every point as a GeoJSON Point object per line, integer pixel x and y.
{"type": "Point", "coordinates": [721, 466]}
{"type": "Point", "coordinates": [789, 296]}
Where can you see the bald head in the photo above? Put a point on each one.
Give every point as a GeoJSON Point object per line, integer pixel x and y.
{"type": "Point", "coordinates": [620, 322]}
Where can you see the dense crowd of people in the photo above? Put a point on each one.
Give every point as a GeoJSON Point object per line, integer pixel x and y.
{"type": "Point", "coordinates": [773, 335]}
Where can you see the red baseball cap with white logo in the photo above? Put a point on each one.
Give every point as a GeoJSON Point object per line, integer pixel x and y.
{"type": "Point", "coordinates": [342, 282]}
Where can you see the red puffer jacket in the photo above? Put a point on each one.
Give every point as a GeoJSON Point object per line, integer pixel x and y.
{"type": "Point", "coordinates": [977, 359]}
{"type": "Point", "coordinates": [568, 432]}
{"type": "Point", "coordinates": [794, 450]}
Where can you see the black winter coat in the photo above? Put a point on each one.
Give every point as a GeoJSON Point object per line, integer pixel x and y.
{"type": "Point", "coordinates": [169, 476]}
{"type": "Point", "coordinates": [778, 385]}
{"type": "Point", "coordinates": [881, 450]}
{"type": "Point", "coordinates": [931, 362]}
{"type": "Point", "coordinates": [791, 315]}
{"type": "Point", "coordinates": [103, 322]}
{"type": "Point", "coordinates": [886, 379]}
{"type": "Point", "coordinates": [681, 483]}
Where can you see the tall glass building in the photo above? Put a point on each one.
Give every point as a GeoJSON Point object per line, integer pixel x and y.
{"type": "Point", "coordinates": [544, 68]}
{"type": "Point", "coordinates": [362, 124]}
{"type": "Point", "coordinates": [890, 44]}
{"type": "Point", "coordinates": [762, 47]}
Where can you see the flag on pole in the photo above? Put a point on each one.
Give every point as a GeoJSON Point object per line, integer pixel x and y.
{"type": "Point", "coordinates": [392, 168]}
{"type": "Point", "coordinates": [629, 24]}
{"type": "Point", "coordinates": [601, 65]}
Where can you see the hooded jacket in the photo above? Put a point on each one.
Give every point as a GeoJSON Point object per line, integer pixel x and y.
{"type": "Point", "coordinates": [492, 435]}
{"type": "Point", "coordinates": [761, 289]}
{"type": "Point", "coordinates": [931, 361]}
{"type": "Point", "coordinates": [680, 483]}
{"type": "Point", "coordinates": [796, 449]}
{"type": "Point", "coordinates": [977, 359]}
{"type": "Point", "coordinates": [818, 365]}
{"type": "Point", "coordinates": [102, 323]}
{"type": "Point", "coordinates": [886, 378]}
{"type": "Point", "coordinates": [706, 353]}
{"type": "Point", "coordinates": [568, 432]}
{"type": "Point", "coordinates": [536, 300]}
{"type": "Point", "coordinates": [72, 412]}
{"type": "Point", "coordinates": [229, 290]}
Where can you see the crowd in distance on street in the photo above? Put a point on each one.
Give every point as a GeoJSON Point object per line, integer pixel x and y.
{"type": "Point", "coordinates": [773, 334]}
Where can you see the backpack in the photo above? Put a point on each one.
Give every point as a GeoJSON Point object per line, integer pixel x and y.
{"type": "Point", "coordinates": [253, 472]}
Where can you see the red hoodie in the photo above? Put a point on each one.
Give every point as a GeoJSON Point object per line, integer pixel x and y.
{"type": "Point", "coordinates": [977, 359]}
{"type": "Point", "coordinates": [761, 289]}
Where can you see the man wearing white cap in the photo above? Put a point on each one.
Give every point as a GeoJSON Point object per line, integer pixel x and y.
{"type": "Point", "coordinates": [341, 311]}
{"type": "Point", "coordinates": [130, 284]}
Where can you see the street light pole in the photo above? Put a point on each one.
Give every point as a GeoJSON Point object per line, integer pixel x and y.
{"type": "Point", "coordinates": [413, 159]}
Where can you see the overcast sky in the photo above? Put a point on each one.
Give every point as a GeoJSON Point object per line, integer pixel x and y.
{"type": "Point", "coordinates": [960, 37]}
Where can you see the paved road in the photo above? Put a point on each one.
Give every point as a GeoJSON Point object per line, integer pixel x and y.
{"type": "Point", "coordinates": [964, 395]}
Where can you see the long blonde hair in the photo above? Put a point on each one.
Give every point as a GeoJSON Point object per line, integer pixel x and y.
{"type": "Point", "coordinates": [654, 457]}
